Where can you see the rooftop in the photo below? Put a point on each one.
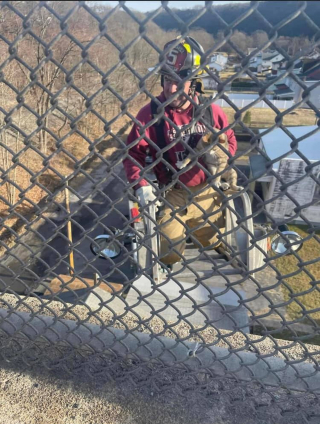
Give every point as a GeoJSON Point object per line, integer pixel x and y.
{"type": "Point", "coordinates": [283, 91]}
{"type": "Point", "coordinates": [313, 72]}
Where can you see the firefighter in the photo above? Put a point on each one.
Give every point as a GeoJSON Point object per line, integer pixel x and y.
{"type": "Point", "coordinates": [201, 220]}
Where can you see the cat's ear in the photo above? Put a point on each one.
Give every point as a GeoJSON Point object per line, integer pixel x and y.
{"type": "Point", "coordinates": [206, 137]}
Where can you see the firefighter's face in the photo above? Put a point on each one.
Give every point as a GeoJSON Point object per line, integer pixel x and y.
{"type": "Point", "coordinates": [170, 87]}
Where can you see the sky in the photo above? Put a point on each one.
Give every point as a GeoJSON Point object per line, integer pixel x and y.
{"type": "Point", "coordinates": [147, 6]}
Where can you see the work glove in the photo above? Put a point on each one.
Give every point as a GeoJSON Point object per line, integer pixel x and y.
{"type": "Point", "coordinates": [145, 195]}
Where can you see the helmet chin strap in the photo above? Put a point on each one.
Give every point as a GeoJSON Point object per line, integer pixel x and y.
{"type": "Point", "coordinates": [190, 94]}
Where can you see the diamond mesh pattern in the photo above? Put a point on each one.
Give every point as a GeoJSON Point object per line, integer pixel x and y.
{"type": "Point", "coordinates": [73, 78]}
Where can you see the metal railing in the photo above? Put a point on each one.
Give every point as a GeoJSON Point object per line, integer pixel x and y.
{"type": "Point", "coordinates": [73, 77]}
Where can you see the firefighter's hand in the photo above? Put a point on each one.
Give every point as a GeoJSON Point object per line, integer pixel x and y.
{"type": "Point", "coordinates": [146, 195]}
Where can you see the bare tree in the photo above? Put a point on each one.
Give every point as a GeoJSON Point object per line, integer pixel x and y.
{"type": "Point", "coordinates": [259, 38]}
{"type": "Point", "coordinates": [10, 145]}
{"type": "Point", "coordinates": [203, 37]}
{"type": "Point", "coordinates": [296, 44]}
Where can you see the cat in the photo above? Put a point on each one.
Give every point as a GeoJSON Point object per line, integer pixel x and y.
{"type": "Point", "coordinates": [216, 160]}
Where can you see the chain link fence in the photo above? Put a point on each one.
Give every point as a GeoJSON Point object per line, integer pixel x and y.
{"type": "Point", "coordinates": [241, 313]}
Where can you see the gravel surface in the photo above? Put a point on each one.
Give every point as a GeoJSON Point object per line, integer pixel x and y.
{"type": "Point", "coordinates": [37, 395]}
{"type": "Point", "coordinates": [37, 387]}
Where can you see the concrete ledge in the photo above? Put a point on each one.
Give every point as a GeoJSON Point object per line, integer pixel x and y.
{"type": "Point", "coordinates": [243, 366]}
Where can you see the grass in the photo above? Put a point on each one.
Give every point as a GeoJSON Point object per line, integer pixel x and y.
{"type": "Point", "coordinates": [265, 118]}
{"type": "Point", "coordinates": [301, 282]}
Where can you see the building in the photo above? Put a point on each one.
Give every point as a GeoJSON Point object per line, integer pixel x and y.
{"type": "Point", "coordinates": [310, 76]}
{"type": "Point", "coordinates": [284, 89]}
{"type": "Point", "coordinates": [290, 168]}
{"type": "Point", "coordinates": [307, 70]}
{"type": "Point", "coordinates": [281, 88]}
{"type": "Point", "coordinates": [209, 83]}
{"type": "Point", "coordinates": [218, 61]}
{"type": "Point", "coordinates": [266, 62]}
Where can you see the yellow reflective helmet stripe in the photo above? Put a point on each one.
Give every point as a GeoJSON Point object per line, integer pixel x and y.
{"type": "Point", "coordinates": [197, 58]}
{"type": "Point", "coordinates": [187, 47]}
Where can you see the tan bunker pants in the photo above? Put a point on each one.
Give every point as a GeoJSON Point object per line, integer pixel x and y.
{"type": "Point", "coordinates": [199, 219]}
